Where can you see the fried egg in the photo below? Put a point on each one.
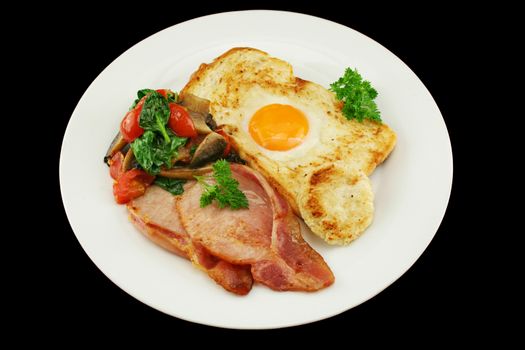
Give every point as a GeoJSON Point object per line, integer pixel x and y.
{"type": "Point", "coordinates": [294, 133]}
{"type": "Point", "coordinates": [278, 127]}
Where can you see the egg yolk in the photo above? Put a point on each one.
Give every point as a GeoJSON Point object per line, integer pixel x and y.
{"type": "Point", "coordinates": [278, 127]}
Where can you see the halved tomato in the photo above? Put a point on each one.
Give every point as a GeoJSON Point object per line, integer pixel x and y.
{"type": "Point", "coordinates": [163, 92]}
{"type": "Point", "coordinates": [115, 165]}
{"type": "Point", "coordinates": [180, 121]}
{"type": "Point", "coordinates": [131, 184]}
{"type": "Point", "coordinates": [130, 127]}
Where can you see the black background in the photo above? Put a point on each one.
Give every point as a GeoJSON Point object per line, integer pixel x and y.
{"type": "Point", "coordinates": [73, 45]}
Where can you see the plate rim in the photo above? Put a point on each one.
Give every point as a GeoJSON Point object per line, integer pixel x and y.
{"type": "Point", "coordinates": [449, 179]}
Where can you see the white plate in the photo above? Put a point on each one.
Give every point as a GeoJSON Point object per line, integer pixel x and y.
{"type": "Point", "coordinates": [412, 187]}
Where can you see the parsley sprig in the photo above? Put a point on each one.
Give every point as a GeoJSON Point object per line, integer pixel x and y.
{"type": "Point", "coordinates": [358, 97]}
{"type": "Point", "coordinates": [225, 190]}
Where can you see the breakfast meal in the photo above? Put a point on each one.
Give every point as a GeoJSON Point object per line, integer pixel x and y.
{"type": "Point", "coordinates": [222, 173]}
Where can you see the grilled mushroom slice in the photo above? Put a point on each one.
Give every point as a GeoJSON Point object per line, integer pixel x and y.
{"type": "Point", "coordinates": [196, 104]}
{"type": "Point", "coordinates": [183, 156]}
{"type": "Point", "coordinates": [199, 121]}
{"type": "Point", "coordinates": [127, 164]}
{"type": "Point", "coordinates": [184, 173]}
{"type": "Point", "coordinates": [211, 148]}
{"type": "Point", "coordinates": [211, 122]}
{"type": "Point", "coordinates": [116, 145]}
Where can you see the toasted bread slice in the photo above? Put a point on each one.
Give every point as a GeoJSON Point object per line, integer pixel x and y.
{"type": "Point", "coordinates": [325, 180]}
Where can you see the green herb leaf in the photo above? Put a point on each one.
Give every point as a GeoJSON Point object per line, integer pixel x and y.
{"type": "Point", "coordinates": [155, 114]}
{"type": "Point", "coordinates": [152, 152]}
{"type": "Point", "coordinates": [175, 143]}
{"type": "Point", "coordinates": [225, 191]}
{"type": "Point", "coordinates": [140, 95]}
{"type": "Point", "coordinates": [358, 96]}
{"type": "Point", "coordinates": [210, 192]}
{"type": "Point", "coordinates": [174, 186]}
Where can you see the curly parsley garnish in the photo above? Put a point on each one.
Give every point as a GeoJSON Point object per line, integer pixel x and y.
{"type": "Point", "coordinates": [358, 96]}
{"type": "Point", "coordinates": [225, 190]}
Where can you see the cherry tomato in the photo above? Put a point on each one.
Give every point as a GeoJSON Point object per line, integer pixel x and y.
{"type": "Point", "coordinates": [130, 127]}
{"type": "Point", "coordinates": [163, 92]}
{"type": "Point", "coordinates": [131, 184]}
{"type": "Point", "coordinates": [180, 121]}
{"type": "Point", "coordinates": [166, 93]}
{"type": "Point", "coordinates": [115, 167]}
{"type": "Point", "coordinates": [228, 143]}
